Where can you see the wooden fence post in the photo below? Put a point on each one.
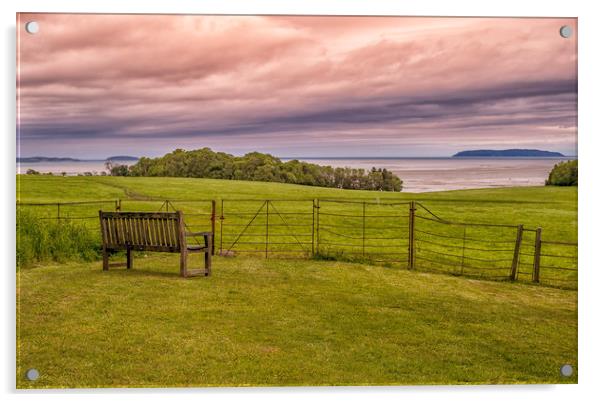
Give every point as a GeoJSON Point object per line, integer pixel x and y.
{"type": "Point", "coordinates": [267, 226]}
{"type": "Point", "coordinates": [463, 251]}
{"type": "Point", "coordinates": [411, 245]}
{"type": "Point", "coordinates": [221, 229]}
{"type": "Point", "coordinates": [537, 255]}
{"type": "Point", "coordinates": [313, 226]}
{"type": "Point", "coordinates": [213, 226]}
{"type": "Point", "coordinates": [58, 211]}
{"type": "Point", "coordinates": [364, 228]}
{"type": "Point", "coordinates": [515, 259]}
{"type": "Point", "coordinates": [317, 226]}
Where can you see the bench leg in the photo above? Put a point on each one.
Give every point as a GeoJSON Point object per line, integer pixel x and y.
{"type": "Point", "coordinates": [129, 259]}
{"type": "Point", "coordinates": [183, 264]}
{"type": "Point", "coordinates": [105, 260]}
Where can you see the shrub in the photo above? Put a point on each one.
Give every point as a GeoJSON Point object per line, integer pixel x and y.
{"type": "Point", "coordinates": [48, 240]}
{"type": "Point", "coordinates": [563, 174]}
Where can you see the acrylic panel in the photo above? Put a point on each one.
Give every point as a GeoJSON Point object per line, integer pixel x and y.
{"type": "Point", "coordinates": [215, 200]}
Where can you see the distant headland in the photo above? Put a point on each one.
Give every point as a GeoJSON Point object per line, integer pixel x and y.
{"type": "Point", "coordinates": [37, 159]}
{"type": "Point", "coordinates": [491, 153]}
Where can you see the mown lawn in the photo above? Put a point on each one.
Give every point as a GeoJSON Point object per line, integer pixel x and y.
{"type": "Point", "coordinates": [285, 322]}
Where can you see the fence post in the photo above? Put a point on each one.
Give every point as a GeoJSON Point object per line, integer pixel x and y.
{"type": "Point", "coordinates": [317, 226]}
{"type": "Point", "coordinates": [118, 205]}
{"type": "Point", "coordinates": [313, 226]}
{"type": "Point", "coordinates": [221, 229]}
{"type": "Point", "coordinates": [267, 226]}
{"type": "Point", "coordinates": [463, 251]}
{"type": "Point", "coordinates": [363, 228]}
{"type": "Point", "coordinates": [58, 211]}
{"type": "Point", "coordinates": [515, 259]}
{"type": "Point", "coordinates": [213, 226]}
{"type": "Point", "coordinates": [411, 245]}
{"type": "Point", "coordinates": [537, 255]}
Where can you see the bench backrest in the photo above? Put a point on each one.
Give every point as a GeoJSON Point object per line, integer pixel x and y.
{"type": "Point", "coordinates": [151, 231]}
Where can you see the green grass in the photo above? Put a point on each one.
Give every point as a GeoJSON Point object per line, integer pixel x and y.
{"type": "Point", "coordinates": [277, 321]}
{"type": "Point", "coordinates": [293, 322]}
{"type": "Point", "coordinates": [50, 240]}
{"type": "Point", "coordinates": [554, 209]}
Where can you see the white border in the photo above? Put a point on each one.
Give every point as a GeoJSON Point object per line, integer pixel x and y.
{"type": "Point", "coordinates": [590, 128]}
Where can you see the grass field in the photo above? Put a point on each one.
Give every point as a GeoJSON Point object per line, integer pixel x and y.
{"type": "Point", "coordinates": [554, 209]}
{"type": "Point", "coordinates": [273, 322]}
{"type": "Point", "coordinates": [260, 321]}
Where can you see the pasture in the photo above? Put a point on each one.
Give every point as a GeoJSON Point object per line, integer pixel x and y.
{"type": "Point", "coordinates": [284, 321]}
{"type": "Point", "coordinates": [361, 226]}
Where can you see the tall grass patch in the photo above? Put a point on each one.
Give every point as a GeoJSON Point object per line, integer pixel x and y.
{"type": "Point", "coordinates": [40, 239]}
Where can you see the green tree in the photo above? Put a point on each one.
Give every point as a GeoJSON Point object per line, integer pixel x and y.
{"type": "Point", "coordinates": [257, 166]}
{"type": "Point", "coordinates": [563, 174]}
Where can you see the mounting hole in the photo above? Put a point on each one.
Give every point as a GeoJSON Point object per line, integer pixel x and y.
{"type": "Point", "coordinates": [32, 374]}
{"type": "Point", "coordinates": [566, 370]}
{"type": "Point", "coordinates": [566, 31]}
{"type": "Point", "coordinates": [32, 27]}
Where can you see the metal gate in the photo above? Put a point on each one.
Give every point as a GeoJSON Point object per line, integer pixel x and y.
{"type": "Point", "coordinates": [361, 230]}
{"type": "Point", "coordinates": [269, 227]}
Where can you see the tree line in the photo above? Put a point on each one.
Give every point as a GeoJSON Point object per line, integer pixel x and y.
{"type": "Point", "coordinates": [256, 166]}
{"type": "Point", "coordinates": [564, 174]}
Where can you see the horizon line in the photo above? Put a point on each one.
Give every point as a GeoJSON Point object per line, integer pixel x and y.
{"type": "Point", "coordinates": [305, 157]}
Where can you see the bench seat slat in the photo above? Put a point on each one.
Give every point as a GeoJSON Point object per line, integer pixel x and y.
{"type": "Point", "coordinates": [140, 225]}
{"type": "Point", "coordinates": [145, 238]}
{"type": "Point", "coordinates": [112, 236]}
{"type": "Point", "coordinates": [163, 227]}
{"type": "Point", "coordinates": [165, 232]}
{"type": "Point", "coordinates": [172, 232]}
{"type": "Point", "coordinates": [147, 230]}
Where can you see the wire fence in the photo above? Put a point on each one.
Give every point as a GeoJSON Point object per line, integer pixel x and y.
{"type": "Point", "coordinates": [267, 227]}
{"type": "Point", "coordinates": [362, 230]}
{"type": "Point", "coordinates": [398, 234]}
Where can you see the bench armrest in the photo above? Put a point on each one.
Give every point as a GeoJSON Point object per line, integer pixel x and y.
{"type": "Point", "coordinates": [210, 234]}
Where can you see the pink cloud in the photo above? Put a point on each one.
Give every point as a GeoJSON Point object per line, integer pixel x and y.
{"type": "Point", "coordinates": [219, 79]}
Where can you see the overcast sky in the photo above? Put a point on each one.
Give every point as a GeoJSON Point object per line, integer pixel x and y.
{"type": "Point", "coordinates": [93, 86]}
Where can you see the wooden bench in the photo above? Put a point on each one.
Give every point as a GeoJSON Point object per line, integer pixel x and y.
{"type": "Point", "coordinates": [151, 231]}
